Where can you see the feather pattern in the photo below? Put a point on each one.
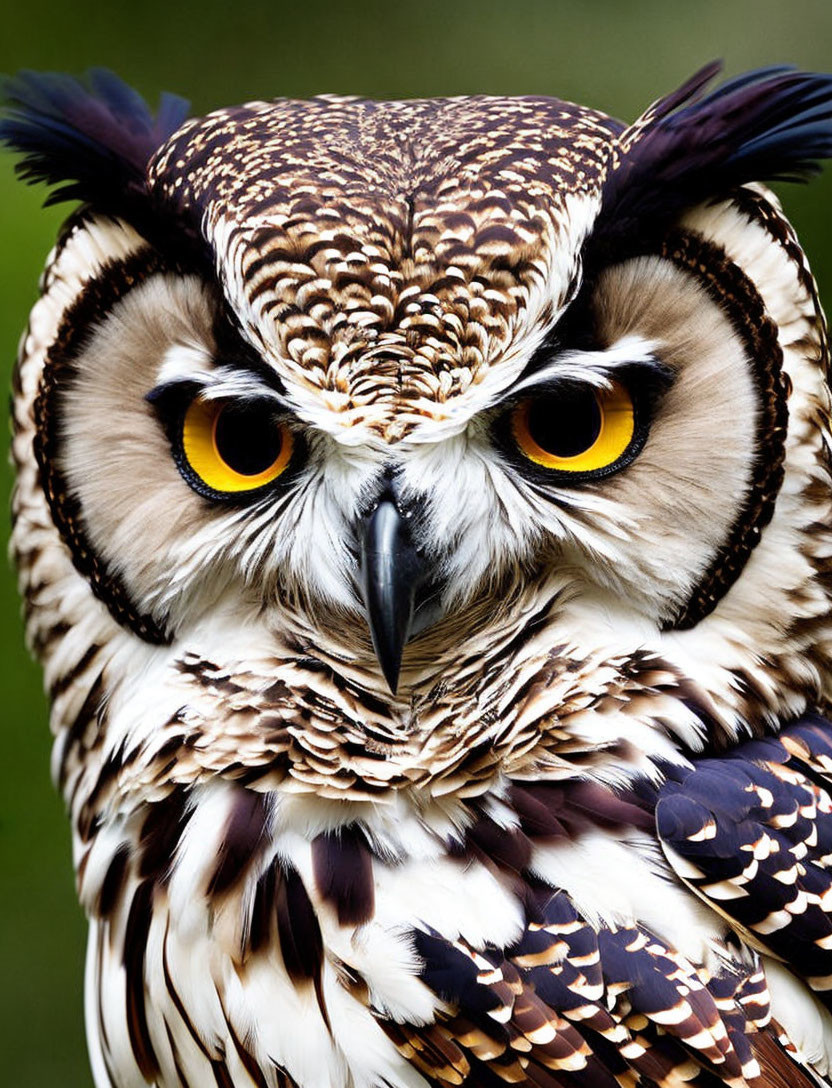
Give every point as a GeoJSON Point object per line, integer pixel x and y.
{"type": "Point", "coordinates": [589, 999]}
{"type": "Point", "coordinates": [752, 833]}
{"type": "Point", "coordinates": [567, 998]}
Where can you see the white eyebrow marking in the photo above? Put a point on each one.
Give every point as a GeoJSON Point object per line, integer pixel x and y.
{"type": "Point", "coordinates": [195, 363]}
{"type": "Point", "coordinates": [185, 362]}
{"type": "Point", "coordinates": [593, 367]}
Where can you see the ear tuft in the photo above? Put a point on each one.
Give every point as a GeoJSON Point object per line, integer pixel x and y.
{"type": "Point", "coordinates": [766, 125]}
{"type": "Point", "coordinates": [93, 138]}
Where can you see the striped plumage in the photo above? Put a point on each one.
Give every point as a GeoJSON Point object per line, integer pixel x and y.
{"type": "Point", "coordinates": [418, 762]}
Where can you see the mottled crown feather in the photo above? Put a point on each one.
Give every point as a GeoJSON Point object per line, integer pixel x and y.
{"type": "Point", "coordinates": [766, 125]}
{"type": "Point", "coordinates": [92, 137]}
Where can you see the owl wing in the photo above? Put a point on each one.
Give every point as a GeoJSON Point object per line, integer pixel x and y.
{"type": "Point", "coordinates": [751, 834]}
{"type": "Point", "coordinates": [578, 1002]}
{"type": "Point", "coordinates": [573, 1004]}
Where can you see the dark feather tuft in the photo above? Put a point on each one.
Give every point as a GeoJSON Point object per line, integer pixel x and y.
{"type": "Point", "coordinates": [343, 868]}
{"type": "Point", "coordinates": [772, 124]}
{"type": "Point", "coordinates": [92, 138]}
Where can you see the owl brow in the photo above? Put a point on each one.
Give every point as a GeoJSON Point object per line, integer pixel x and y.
{"type": "Point", "coordinates": [221, 383]}
{"type": "Point", "coordinates": [632, 354]}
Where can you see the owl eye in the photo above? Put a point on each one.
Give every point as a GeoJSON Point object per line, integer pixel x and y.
{"type": "Point", "coordinates": [579, 430]}
{"type": "Point", "coordinates": [232, 448]}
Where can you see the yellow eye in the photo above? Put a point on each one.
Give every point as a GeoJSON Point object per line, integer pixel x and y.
{"type": "Point", "coordinates": [581, 430]}
{"type": "Point", "coordinates": [234, 448]}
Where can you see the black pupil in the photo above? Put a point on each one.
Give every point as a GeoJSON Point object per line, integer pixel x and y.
{"type": "Point", "coordinates": [248, 439]}
{"type": "Point", "coordinates": [566, 425]}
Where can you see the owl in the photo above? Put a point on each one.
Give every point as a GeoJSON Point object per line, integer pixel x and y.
{"type": "Point", "coordinates": [424, 521]}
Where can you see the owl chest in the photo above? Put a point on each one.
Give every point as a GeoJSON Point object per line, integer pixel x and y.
{"type": "Point", "coordinates": [256, 938]}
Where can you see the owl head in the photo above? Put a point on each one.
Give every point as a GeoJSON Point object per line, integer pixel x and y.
{"type": "Point", "coordinates": [386, 444]}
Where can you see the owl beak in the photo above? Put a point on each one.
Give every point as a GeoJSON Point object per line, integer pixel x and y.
{"type": "Point", "coordinates": [392, 572]}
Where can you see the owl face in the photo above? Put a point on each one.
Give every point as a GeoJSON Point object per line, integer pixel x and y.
{"type": "Point", "coordinates": [207, 465]}
{"type": "Point", "coordinates": [407, 432]}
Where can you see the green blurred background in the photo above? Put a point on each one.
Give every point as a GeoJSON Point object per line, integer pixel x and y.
{"type": "Point", "coordinates": [611, 54]}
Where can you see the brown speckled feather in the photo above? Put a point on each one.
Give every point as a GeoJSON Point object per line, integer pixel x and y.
{"type": "Point", "coordinates": [387, 251]}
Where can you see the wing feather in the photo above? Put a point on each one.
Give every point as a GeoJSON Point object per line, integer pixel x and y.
{"type": "Point", "coordinates": [751, 833]}
{"type": "Point", "coordinates": [581, 1005]}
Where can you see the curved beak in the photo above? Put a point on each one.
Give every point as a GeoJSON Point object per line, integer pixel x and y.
{"type": "Point", "coordinates": [392, 572]}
